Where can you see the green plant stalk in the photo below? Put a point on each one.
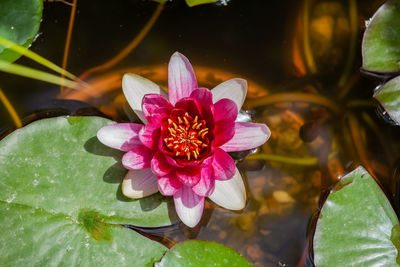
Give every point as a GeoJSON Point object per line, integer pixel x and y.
{"type": "Point", "coordinates": [35, 57]}
{"type": "Point", "coordinates": [36, 74]}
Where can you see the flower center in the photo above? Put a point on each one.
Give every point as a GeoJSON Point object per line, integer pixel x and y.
{"type": "Point", "coordinates": [186, 136]}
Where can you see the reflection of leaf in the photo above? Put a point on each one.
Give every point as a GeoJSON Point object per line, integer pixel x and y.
{"type": "Point", "coordinates": [381, 41]}
{"type": "Point", "coordinates": [202, 253]}
{"type": "Point", "coordinates": [59, 192]}
{"type": "Point", "coordinates": [19, 22]}
{"type": "Point", "coordinates": [389, 96]}
{"type": "Point", "coordinates": [355, 227]}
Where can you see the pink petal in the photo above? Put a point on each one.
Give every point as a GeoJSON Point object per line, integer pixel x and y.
{"type": "Point", "coordinates": [234, 89]}
{"type": "Point", "coordinates": [203, 96]}
{"type": "Point", "coordinates": [189, 175]}
{"type": "Point", "coordinates": [158, 115]}
{"type": "Point", "coordinates": [247, 136]}
{"type": "Point", "coordinates": [139, 183]}
{"type": "Point", "coordinates": [223, 165]}
{"type": "Point", "coordinates": [149, 135]}
{"type": "Point", "coordinates": [181, 78]}
{"type": "Point", "coordinates": [205, 186]}
{"type": "Point", "coordinates": [225, 109]}
{"type": "Point", "coordinates": [189, 206]}
{"type": "Point", "coordinates": [230, 194]}
{"type": "Point", "coordinates": [173, 162]}
{"type": "Point", "coordinates": [122, 136]}
{"type": "Point", "coordinates": [152, 103]}
{"type": "Point", "coordinates": [224, 131]}
{"type": "Point", "coordinates": [138, 158]}
{"type": "Point", "coordinates": [188, 104]}
{"type": "Point", "coordinates": [135, 88]}
{"type": "Point", "coordinates": [160, 165]}
{"type": "Point", "coordinates": [169, 184]}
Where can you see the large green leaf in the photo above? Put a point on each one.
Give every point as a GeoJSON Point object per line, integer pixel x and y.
{"type": "Point", "coordinates": [35, 237]}
{"type": "Point", "coordinates": [389, 96]}
{"type": "Point", "coordinates": [202, 253]}
{"type": "Point", "coordinates": [19, 22]}
{"type": "Point", "coordinates": [357, 225]}
{"type": "Point", "coordinates": [59, 193]}
{"type": "Point", "coordinates": [381, 41]}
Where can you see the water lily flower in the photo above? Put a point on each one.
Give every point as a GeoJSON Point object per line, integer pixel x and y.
{"type": "Point", "coordinates": [181, 150]}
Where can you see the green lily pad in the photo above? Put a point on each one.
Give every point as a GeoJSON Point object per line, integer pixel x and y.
{"type": "Point", "coordinates": [389, 97]}
{"type": "Point", "coordinates": [202, 253]}
{"type": "Point", "coordinates": [381, 41]}
{"type": "Point", "coordinates": [199, 2]}
{"type": "Point", "coordinates": [357, 225]}
{"type": "Point", "coordinates": [19, 22]}
{"type": "Point", "coordinates": [36, 237]}
{"type": "Point", "coordinates": [60, 196]}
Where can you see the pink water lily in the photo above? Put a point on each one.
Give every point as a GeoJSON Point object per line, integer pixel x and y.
{"type": "Point", "coordinates": [181, 150]}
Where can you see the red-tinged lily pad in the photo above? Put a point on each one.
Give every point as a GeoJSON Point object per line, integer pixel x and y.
{"type": "Point", "coordinates": [61, 202]}
{"type": "Point", "coordinates": [357, 225]}
{"type": "Point", "coordinates": [198, 253]}
{"type": "Point", "coordinates": [389, 97]}
{"type": "Point", "coordinates": [381, 41]}
{"type": "Point", "coordinates": [19, 22]}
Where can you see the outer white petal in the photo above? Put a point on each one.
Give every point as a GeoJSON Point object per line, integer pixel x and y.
{"type": "Point", "coordinates": [189, 206]}
{"type": "Point", "coordinates": [139, 183]}
{"type": "Point", "coordinates": [233, 89]}
{"type": "Point", "coordinates": [135, 87]}
{"type": "Point", "coordinates": [230, 194]}
{"type": "Point", "coordinates": [122, 136]}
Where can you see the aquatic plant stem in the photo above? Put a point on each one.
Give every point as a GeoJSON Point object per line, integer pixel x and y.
{"type": "Point", "coordinates": [128, 49]}
{"type": "Point", "coordinates": [35, 57]}
{"type": "Point", "coordinates": [293, 97]}
{"type": "Point", "coordinates": [9, 107]}
{"type": "Point", "coordinates": [36, 74]}
{"type": "Point", "coordinates": [306, 38]}
{"type": "Point", "coordinates": [68, 41]}
{"type": "Point", "coordinates": [283, 159]}
{"type": "Point", "coordinates": [352, 49]}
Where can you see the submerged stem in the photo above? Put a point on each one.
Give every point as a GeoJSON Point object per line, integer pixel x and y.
{"type": "Point", "coordinates": [132, 45]}
{"type": "Point", "coordinates": [68, 41]}
{"type": "Point", "coordinates": [9, 107]}
{"type": "Point", "coordinates": [289, 160]}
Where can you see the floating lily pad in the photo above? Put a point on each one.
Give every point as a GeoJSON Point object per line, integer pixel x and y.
{"type": "Point", "coordinates": [60, 193]}
{"type": "Point", "coordinates": [357, 225]}
{"type": "Point", "coordinates": [389, 97]}
{"type": "Point", "coordinates": [381, 41]}
{"type": "Point", "coordinates": [202, 253]}
{"type": "Point", "coordinates": [199, 2]}
{"type": "Point", "coordinates": [19, 22]}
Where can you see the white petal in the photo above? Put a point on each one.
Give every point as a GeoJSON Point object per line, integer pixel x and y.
{"type": "Point", "coordinates": [230, 194]}
{"type": "Point", "coordinates": [233, 89]}
{"type": "Point", "coordinates": [122, 136]}
{"type": "Point", "coordinates": [135, 87]}
{"type": "Point", "coordinates": [189, 206]}
{"type": "Point", "coordinates": [139, 183]}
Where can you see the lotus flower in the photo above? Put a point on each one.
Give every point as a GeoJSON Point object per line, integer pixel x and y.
{"type": "Point", "coordinates": [181, 150]}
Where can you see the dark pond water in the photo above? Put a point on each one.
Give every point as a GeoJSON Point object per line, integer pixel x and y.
{"type": "Point", "coordinates": [302, 59]}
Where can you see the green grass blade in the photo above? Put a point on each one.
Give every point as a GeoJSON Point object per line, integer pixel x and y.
{"type": "Point", "coordinates": [35, 57]}
{"type": "Point", "coordinates": [36, 74]}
